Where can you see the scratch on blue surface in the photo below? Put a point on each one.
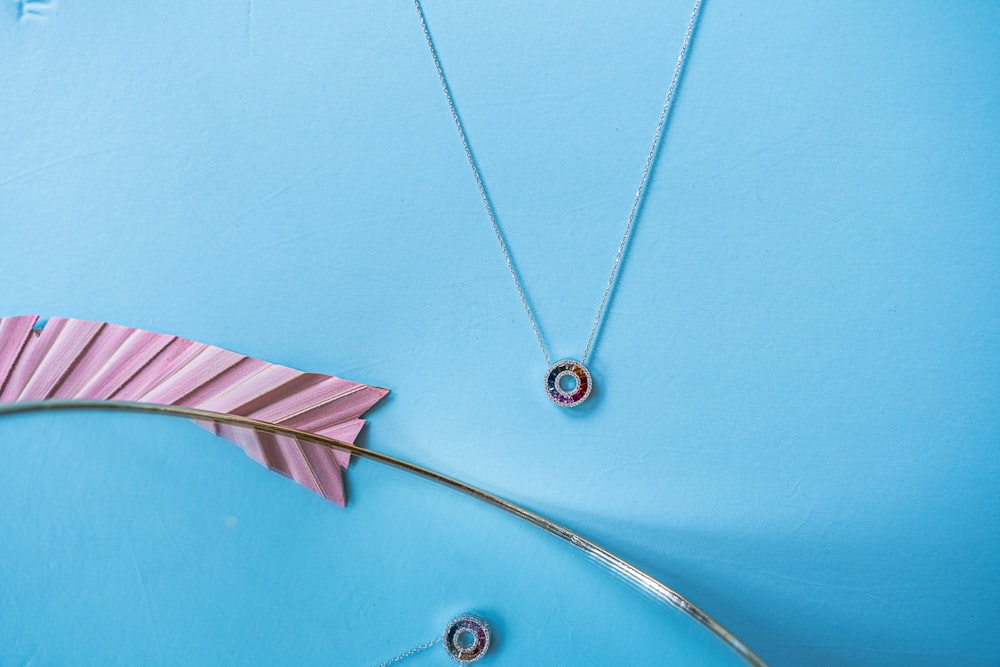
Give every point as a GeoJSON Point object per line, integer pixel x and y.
{"type": "Point", "coordinates": [816, 583]}
{"type": "Point", "coordinates": [31, 171]}
{"type": "Point", "coordinates": [30, 660]}
{"type": "Point", "coordinates": [182, 555]}
{"type": "Point", "coordinates": [249, 31]}
{"type": "Point", "coordinates": [34, 170]}
{"type": "Point", "coordinates": [146, 603]}
{"type": "Point", "coordinates": [293, 181]}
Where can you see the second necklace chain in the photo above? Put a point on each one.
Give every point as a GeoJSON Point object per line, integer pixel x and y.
{"type": "Point", "coordinates": [568, 382]}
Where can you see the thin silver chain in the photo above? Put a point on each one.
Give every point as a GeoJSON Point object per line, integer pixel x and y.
{"type": "Point", "coordinates": [635, 202]}
{"type": "Point", "coordinates": [412, 651]}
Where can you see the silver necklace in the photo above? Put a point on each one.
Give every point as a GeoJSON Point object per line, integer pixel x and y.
{"type": "Point", "coordinates": [465, 640]}
{"type": "Point", "coordinates": [567, 382]}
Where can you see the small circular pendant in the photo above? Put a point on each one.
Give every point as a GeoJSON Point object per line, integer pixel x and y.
{"type": "Point", "coordinates": [467, 638]}
{"type": "Point", "coordinates": [568, 383]}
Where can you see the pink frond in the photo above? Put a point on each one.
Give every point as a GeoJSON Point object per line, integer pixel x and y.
{"type": "Point", "coordinates": [80, 359]}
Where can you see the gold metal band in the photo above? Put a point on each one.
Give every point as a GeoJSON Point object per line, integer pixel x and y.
{"type": "Point", "coordinates": [645, 582]}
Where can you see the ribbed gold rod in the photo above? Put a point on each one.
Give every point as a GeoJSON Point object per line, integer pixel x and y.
{"type": "Point", "coordinates": [645, 582]}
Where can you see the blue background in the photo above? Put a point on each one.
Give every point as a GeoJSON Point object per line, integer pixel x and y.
{"type": "Point", "coordinates": [797, 418]}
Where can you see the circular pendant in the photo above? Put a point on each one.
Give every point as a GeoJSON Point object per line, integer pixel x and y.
{"type": "Point", "coordinates": [568, 383]}
{"type": "Point", "coordinates": [467, 638]}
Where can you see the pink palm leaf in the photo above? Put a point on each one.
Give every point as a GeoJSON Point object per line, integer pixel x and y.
{"type": "Point", "coordinates": [80, 359]}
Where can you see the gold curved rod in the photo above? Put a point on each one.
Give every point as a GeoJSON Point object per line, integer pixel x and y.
{"type": "Point", "coordinates": [645, 582]}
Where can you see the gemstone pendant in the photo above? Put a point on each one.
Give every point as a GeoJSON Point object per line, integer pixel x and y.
{"type": "Point", "coordinates": [568, 383]}
{"type": "Point", "coordinates": [467, 638]}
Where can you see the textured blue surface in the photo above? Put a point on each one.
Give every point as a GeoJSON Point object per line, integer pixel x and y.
{"type": "Point", "coordinates": [797, 414]}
